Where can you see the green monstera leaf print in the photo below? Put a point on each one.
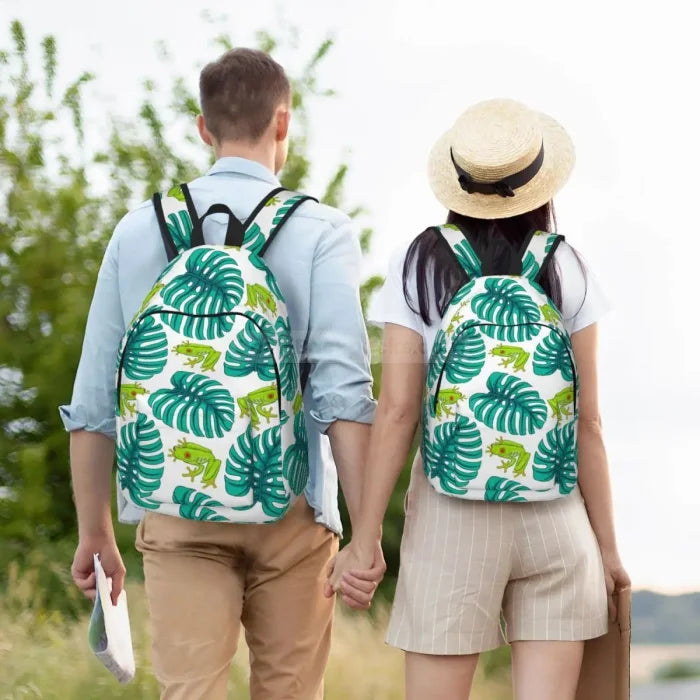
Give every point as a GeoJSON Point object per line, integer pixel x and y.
{"type": "Point", "coordinates": [211, 284]}
{"type": "Point", "coordinates": [195, 505]}
{"type": "Point", "coordinates": [296, 457]}
{"type": "Point", "coordinates": [255, 464]}
{"type": "Point", "coordinates": [270, 280]}
{"type": "Point", "coordinates": [289, 366]}
{"type": "Point", "coordinates": [146, 352]}
{"type": "Point", "coordinates": [437, 358]}
{"type": "Point", "coordinates": [253, 240]}
{"type": "Point", "coordinates": [180, 229]}
{"type": "Point", "coordinates": [250, 352]}
{"type": "Point", "coordinates": [510, 405]}
{"type": "Point", "coordinates": [194, 404]}
{"type": "Point", "coordinates": [554, 354]}
{"type": "Point", "coordinates": [530, 268]}
{"type": "Point", "coordinates": [467, 357]}
{"type": "Point", "coordinates": [500, 489]}
{"type": "Point", "coordinates": [467, 258]}
{"type": "Point", "coordinates": [282, 211]}
{"type": "Point", "coordinates": [463, 292]}
{"type": "Point", "coordinates": [508, 311]}
{"type": "Point", "coordinates": [453, 454]}
{"type": "Point", "coordinates": [140, 461]}
{"type": "Point", "coordinates": [557, 457]}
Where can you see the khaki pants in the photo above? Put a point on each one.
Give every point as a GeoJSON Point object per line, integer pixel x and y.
{"type": "Point", "coordinates": [203, 579]}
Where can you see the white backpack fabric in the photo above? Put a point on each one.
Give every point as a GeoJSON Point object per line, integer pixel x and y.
{"type": "Point", "coordinates": [210, 424]}
{"type": "Point", "coordinates": [500, 407]}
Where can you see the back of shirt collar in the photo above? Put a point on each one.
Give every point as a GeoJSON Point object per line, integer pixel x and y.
{"type": "Point", "coordinates": [243, 166]}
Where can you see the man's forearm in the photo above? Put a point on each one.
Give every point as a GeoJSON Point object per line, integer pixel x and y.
{"type": "Point", "coordinates": [91, 457]}
{"type": "Point", "coordinates": [349, 442]}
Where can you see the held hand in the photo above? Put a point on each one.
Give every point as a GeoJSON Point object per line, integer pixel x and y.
{"type": "Point", "coordinates": [616, 578]}
{"type": "Point", "coordinates": [83, 569]}
{"type": "Point", "coordinates": [355, 575]}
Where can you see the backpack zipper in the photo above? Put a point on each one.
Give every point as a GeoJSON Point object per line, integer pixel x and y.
{"type": "Point", "coordinates": [153, 312]}
{"type": "Point", "coordinates": [511, 325]}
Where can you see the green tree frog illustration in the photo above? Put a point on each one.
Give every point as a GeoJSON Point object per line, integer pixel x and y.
{"type": "Point", "coordinates": [511, 354]}
{"type": "Point", "coordinates": [454, 321]}
{"type": "Point", "coordinates": [201, 458]}
{"type": "Point", "coordinates": [197, 353]}
{"type": "Point", "coordinates": [176, 192]}
{"type": "Point", "coordinates": [447, 398]}
{"type": "Point", "coordinates": [259, 403]}
{"type": "Point", "coordinates": [549, 313]}
{"type": "Point", "coordinates": [259, 297]}
{"type": "Point", "coordinates": [273, 201]}
{"type": "Point", "coordinates": [559, 403]}
{"type": "Point", "coordinates": [127, 397]}
{"type": "Point", "coordinates": [513, 455]}
{"type": "Point", "coordinates": [148, 299]}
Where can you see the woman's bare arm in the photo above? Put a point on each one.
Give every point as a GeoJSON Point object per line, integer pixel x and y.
{"type": "Point", "coordinates": [594, 475]}
{"type": "Point", "coordinates": [394, 426]}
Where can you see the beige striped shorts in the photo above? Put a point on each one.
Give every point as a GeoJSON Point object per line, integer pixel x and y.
{"type": "Point", "coordinates": [475, 575]}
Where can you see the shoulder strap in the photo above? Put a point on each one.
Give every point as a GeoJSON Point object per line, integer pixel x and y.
{"type": "Point", "coordinates": [537, 252]}
{"type": "Point", "coordinates": [175, 214]}
{"type": "Point", "coordinates": [267, 219]}
{"type": "Point", "coordinates": [461, 248]}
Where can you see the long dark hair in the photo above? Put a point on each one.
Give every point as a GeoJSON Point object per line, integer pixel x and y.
{"type": "Point", "coordinates": [497, 242]}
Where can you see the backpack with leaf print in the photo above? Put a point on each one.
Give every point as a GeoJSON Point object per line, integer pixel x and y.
{"type": "Point", "coordinates": [210, 424]}
{"type": "Point", "coordinates": [500, 406]}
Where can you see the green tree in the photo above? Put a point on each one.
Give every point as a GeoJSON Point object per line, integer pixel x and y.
{"type": "Point", "coordinates": [54, 226]}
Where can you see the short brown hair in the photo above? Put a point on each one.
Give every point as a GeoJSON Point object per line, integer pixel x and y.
{"type": "Point", "coordinates": [239, 93]}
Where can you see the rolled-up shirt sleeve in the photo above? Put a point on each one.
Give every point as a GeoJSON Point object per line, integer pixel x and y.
{"type": "Point", "coordinates": [92, 406]}
{"type": "Point", "coordinates": [337, 348]}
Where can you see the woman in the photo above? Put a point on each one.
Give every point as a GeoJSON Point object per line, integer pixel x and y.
{"type": "Point", "coordinates": [534, 543]}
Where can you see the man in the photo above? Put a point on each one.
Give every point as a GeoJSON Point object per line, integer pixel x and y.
{"type": "Point", "coordinates": [202, 578]}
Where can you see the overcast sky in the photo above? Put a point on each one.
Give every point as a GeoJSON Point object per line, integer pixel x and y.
{"type": "Point", "coordinates": [622, 79]}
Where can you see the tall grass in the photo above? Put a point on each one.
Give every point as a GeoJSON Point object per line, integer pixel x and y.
{"type": "Point", "coordinates": [44, 655]}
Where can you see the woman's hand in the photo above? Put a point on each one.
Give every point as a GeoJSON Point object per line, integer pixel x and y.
{"type": "Point", "coordinates": [355, 573]}
{"type": "Point", "coordinates": [616, 578]}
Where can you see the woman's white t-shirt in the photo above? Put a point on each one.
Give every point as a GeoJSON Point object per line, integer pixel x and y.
{"type": "Point", "coordinates": [583, 301]}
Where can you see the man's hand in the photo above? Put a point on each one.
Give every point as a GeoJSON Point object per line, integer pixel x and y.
{"type": "Point", "coordinates": [83, 569]}
{"type": "Point", "coordinates": [356, 576]}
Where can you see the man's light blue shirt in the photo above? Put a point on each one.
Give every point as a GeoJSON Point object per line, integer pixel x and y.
{"type": "Point", "coordinates": [316, 260]}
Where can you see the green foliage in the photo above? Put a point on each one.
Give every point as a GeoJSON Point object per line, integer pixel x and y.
{"type": "Point", "coordinates": [678, 670]}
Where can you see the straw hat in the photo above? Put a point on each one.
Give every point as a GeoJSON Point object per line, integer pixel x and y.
{"type": "Point", "coordinates": [500, 159]}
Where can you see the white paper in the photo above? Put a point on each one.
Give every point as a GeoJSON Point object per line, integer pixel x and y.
{"type": "Point", "coordinates": [109, 633]}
